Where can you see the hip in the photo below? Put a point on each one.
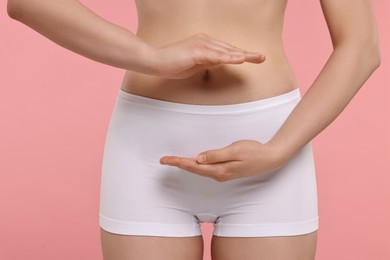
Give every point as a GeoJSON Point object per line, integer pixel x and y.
{"type": "Point", "coordinates": [145, 129]}
{"type": "Point", "coordinates": [142, 130]}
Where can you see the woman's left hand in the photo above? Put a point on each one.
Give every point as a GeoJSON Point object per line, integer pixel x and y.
{"type": "Point", "coordinates": [239, 159]}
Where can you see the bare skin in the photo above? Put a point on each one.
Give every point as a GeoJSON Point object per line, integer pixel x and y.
{"type": "Point", "coordinates": [123, 247]}
{"type": "Point", "coordinates": [302, 247]}
{"type": "Point", "coordinates": [222, 65]}
{"type": "Point", "coordinates": [223, 83]}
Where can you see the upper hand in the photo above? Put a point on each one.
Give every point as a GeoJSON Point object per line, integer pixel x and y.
{"type": "Point", "coordinates": [184, 58]}
{"type": "Point", "coordinates": [239, 159]}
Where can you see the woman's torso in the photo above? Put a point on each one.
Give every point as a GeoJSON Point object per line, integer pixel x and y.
{"type": "Point", "coordinates": [253, 25]}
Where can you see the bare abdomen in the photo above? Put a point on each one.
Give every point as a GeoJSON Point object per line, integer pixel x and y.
{"type": "Point", "coordinates": [222, 84]}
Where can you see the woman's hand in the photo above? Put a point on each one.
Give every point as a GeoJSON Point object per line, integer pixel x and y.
{"type": "Point", "coordinates": [184, 58]}
{"type": "Point", "coordinates": [239, 159]}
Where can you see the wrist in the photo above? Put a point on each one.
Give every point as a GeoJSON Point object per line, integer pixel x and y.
{"type": "Point", "coordinates": [279, 154]}
{"type": "Point", "coordinates": [146, 59]}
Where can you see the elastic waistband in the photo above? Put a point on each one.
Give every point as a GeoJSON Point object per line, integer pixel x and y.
{"type": "Point", "coordinates": [244, 107]}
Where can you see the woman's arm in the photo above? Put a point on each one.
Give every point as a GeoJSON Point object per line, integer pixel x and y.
{"type": "Point", "coordinates": [75, 27]}
{"type": "Point", "coordinates": [355, 57]}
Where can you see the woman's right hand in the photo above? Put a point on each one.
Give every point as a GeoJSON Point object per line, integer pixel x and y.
{"type": "Point", "coordinates": [184, 58]}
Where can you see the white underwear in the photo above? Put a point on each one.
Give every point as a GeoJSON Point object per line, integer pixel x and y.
{"type": "Point", "coordinates": [139, 196]}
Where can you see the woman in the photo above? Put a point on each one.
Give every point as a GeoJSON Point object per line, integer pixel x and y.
{"type": "Point", "coordinates": [209, 124]}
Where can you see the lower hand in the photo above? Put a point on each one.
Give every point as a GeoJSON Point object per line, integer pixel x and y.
{"type": "Point", "coordinates": [184, 58]}
{"type": "Point", "coordinates": [239, 159]}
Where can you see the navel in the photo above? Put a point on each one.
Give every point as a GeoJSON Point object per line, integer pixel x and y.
{"type": "Point", "coordinates": [206, 75]}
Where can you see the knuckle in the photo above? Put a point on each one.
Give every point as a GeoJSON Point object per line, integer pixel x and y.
{"type": "Point", "coordinates": [200, 58]}
{"type": "Point", "coordinates": [197, 51]}
{"type": "Point", "coordinates": [220, 53]}
{"type": "Point", "coordinates": [221, 175]}
{"type": "Point", "coordinates": [191, 168]}
{"type": "Point", "coordinates": [212, 60]}
{"type": "Point", "coordinates": [236, 151]}
{"type": "Point", "coordinates": [220, 57]}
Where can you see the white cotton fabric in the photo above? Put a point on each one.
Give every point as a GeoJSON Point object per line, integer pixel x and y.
{"type": "Point", "coordinates": [139, 196]}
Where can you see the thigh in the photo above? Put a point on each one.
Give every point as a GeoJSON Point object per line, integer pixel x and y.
{"type": "Point", "coordinates": [125, 247]}
{"type": "Point", "coordinates": [300, 247]}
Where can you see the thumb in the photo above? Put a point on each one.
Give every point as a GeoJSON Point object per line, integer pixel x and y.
{"type": "Point", "coordinates": [214, 156]}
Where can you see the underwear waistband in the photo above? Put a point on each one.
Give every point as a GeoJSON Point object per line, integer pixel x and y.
{"type": "Point", "coordinates": [261, 104]}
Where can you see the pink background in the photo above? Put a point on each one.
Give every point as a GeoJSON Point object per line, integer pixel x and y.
{"type": "Point", "coordinates": [55, 107]}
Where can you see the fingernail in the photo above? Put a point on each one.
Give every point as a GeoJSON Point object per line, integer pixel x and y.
{"type": "Point", "coordinates": [201, 158]}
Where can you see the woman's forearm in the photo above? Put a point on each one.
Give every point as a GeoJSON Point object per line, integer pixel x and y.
{"type": "Point", "coordinates": [345, 72]}
{"type": "Point", "coordinates": [75, 27]}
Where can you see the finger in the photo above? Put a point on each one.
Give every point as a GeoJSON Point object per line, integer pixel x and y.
{"type": "Point", "coordinates": [215, 44]}
{"type": "Point", "coordinates": [255, 58]}
{"type": "Point", "coordinates": [249, 55]}
{"type": "Point", "coordinates": [229, 50]}
{"type": "Point", "coordinates": [215, 57]}
{"type": "Point", "coordinates": [229, 56]}
{"type": "Point", "coordinates": [218, 155]}
{"type": "Point", "coordinates": [208, 39]}
{"type": "Point", "coordinates": [221, 171]}
{"type": "Point", "coordinates": [224, 44]}
{"type": "Point", "coordinates": [189, 164]}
